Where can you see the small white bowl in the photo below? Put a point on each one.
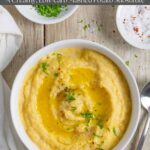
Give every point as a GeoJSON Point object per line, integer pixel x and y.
{"type": "Point", "coordinates": [136, 106]}
{"type": "Point", "coordinates": [128, 37]}
{"type": "Point", "coordinates": [29, 12]}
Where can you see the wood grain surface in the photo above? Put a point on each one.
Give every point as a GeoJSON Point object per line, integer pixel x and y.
{"type": "Point", "coordinates": [96, 23]}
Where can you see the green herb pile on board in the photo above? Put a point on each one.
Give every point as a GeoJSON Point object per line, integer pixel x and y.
{"type": "Point", "coordinates": [52, 10]}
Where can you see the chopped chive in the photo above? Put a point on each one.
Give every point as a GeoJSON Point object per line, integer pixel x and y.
{"type": "Point", "coordinates": [73, 109]}
{"type": "Point", "coordinates": [86, 129]}
{"type": "Point", "coordinates": [100, 124]}
{"type": "Point", "coordinates": [89, 25]}
{"type": "Point", "coordinates": [58, 55]}
{"type": "Point", "coordinates": [114, 131]}
{"type": "Point", "coordinates": [127, 63]}
{"type": "Point", "coordinates": [70, 96]}
{"type": "Point", "coordinates": [99, 149]}
{"type": "Point", "coordinates": [87, 115]}
{"type": "Point", "coordinates": [99, 26]}
{"type": "Point", "coordinates": [96, 135]}
{"type": "Point", "coordinates": [81, 21]}
{"type": "Point", "coordinates": [56, 74]}
{"type": "Point", "coordinates": [44, 66]}
{"type": "Point", "coordinates": [113, 7]}
{"type": "Point", "coordinates": [135, 56]}
{"type": "Point", "coordinates": [85, 27]}
{"type": "Point", "coordinates": [49, 10]}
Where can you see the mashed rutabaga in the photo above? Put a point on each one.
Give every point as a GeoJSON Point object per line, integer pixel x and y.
{"type": "Point", "coordinates": [75, 99]}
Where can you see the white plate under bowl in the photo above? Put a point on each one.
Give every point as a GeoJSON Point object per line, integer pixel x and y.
{"type": "Point", "coordinates": [136, 106]}
{"type": "Point", "coordinates": [126, 36]}
{"type": "Point", "coordinates": [29, 12]}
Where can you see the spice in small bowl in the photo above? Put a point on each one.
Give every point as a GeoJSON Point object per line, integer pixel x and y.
{"type": "Point", "coordinates": [134, 25]}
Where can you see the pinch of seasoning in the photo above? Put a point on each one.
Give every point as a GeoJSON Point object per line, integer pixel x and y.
{"type": "Point", "coordinates": [124, 21]}
{"type": "Point", "coordinates": [140, 36]}
{"type": "Point", "coordinates": [139, 12]}
{"type": "Point", "coordinates": [114, 31]}
{"type": "Point", "coordinates": [136, 29]}
{"type": "Point", "coordinates": [133, 18]}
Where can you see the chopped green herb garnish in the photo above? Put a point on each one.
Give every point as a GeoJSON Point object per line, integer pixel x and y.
{"type": "Point", "coordinates": [100, 124]}
{"type": "Point", "coordinates": [127, 63]}
{"type": "Point", "coordinates": [113, 6]}
{"type": "Point", "coordinates": [99, 26]}
{"type": "Point", "coordinates": [81, 21]}
{"type": "Point", "coordinates": [108, 129]}
{"type": "Point", "coordinates": [99, 148]}
{"type": "Point", "coordinates": [70, 96]}
{"type": "Point", "coordinates": [73, 109]}
{"type": "Point", "coordinates": [85, 27]}
{"type": "Point", "coordinates": [54, 53]}
{"type": "Point", "coordinates": [87, 122]}
{"type": "Point", "coordinates": [87, 115]}
{"type": "Point", "coordinates": [96, 135]}
{"type": "Point", "coordinates": [44, 66]}
{"type": "Point", "coordinates": [114, 131]}
{"type": "Point", "coordinates": [86, 129]}
{"type": "Point", "coordinates": [135, 56]}
{"type": "Point", "coordinates": [50, 10]}
{"type": "Point", "coordinates": [58, 55]}
{"type": "Point", "coordinates": [89, 25]}
{"type": "Point", "coordinates": [56, 74]}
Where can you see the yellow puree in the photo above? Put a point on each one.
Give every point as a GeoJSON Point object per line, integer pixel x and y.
{"type": "Point", "coordinates": [75, 99]}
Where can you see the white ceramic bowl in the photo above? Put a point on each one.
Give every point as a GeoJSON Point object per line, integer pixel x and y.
{"type": "Point", "coordinates": [75, 43]}
{"type": "Point", "coordinates": [31, 14]}
{"type": "Point", "coordinates": [127, 36]}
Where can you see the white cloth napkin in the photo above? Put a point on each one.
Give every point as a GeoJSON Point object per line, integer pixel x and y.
{"type": "Point", "coordinates": [10, 41]}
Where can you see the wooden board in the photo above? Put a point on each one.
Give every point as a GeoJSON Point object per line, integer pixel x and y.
{"type": "Point", "coordinates": [96, 23]}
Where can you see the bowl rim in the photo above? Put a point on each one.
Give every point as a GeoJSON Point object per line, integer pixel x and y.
{"type": "Point", "coordinates": [32, 60]}
{"type": "Point", "coordinates": [57, 20]}
{"type": "Point", "coordinates": [126, 38]}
